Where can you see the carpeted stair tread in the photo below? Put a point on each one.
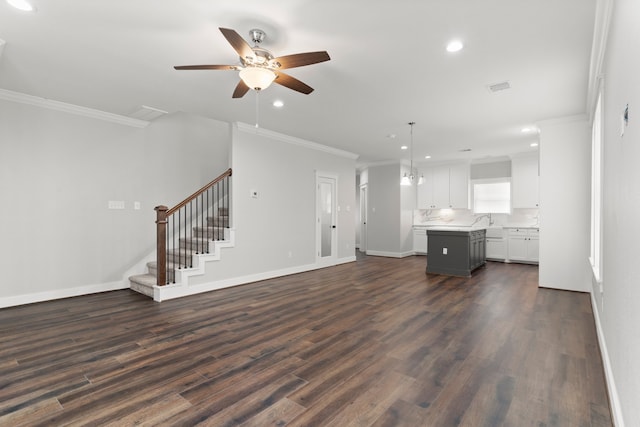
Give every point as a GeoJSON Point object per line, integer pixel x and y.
{"type": "Point", "coordinates": [144, 279]}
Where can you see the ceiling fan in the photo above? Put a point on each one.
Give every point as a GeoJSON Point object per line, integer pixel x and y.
{"type": "Point", "coordinates": [259, 68]}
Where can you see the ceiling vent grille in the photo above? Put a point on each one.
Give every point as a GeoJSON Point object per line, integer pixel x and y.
{"type": "Point", "coordinates": [497, 87]}
{"type": "Point", "coordinates": [147, 113]}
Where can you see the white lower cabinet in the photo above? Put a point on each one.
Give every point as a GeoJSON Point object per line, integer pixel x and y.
{"type": "Point", "coordinates": [523, 245]}
{"type": "Point", "coordinates": [420, 241]}
{"type": "Point", "coordinates": [496, 249]}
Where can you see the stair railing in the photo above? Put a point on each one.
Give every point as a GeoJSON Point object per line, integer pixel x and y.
{"type": "Point", "coordinates": [187, 228]}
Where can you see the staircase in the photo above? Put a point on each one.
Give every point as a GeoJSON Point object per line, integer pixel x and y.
{"type": "Point", "coordinates": [187, 238]}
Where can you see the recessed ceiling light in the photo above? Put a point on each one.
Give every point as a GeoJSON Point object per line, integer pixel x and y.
{"type": "Point", "coordinates": [21, 5]}
{"type": "Point", "coordinates": [534, 144]}
{"type": "Point", "coordinates": [278, 104]}
{"type": "Point", "coordinates": [427, 157]}
{"type": "Point", "coordinates": [404, 147]}
{"type": "Point", "coordinates": [454, 46]}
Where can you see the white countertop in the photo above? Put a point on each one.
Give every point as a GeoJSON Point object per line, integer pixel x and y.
{"type": "Point", "coordinates": [455, 228]}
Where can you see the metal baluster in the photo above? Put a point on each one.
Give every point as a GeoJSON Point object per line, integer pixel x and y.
{"type": "Point", "coordinates": [166, 262]}
{"type": "Point", "coordinates": [172, 237]}
{"type": "Point", "coordinates": [219, 221]}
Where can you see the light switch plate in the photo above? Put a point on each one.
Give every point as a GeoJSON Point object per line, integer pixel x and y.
{"type": "Point", "coordinates": [116, 204]}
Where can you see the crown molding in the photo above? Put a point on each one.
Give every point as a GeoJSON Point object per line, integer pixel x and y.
{"type": "Point", "coordinates": [561, 121]}
{"type": "Point", "coordinates": [50, 104]}
{"type": "Point", "coordinates": [247, 128]}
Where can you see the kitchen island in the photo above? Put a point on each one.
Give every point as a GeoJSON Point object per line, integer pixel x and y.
{"type": "Point", "coordinates": [456, 251]}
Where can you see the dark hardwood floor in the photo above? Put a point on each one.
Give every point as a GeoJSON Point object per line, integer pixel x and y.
{"type": "Point", "coordinates": [371, 343]}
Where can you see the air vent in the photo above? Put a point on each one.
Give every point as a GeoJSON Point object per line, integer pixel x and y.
{"type": "Point", "coordinates": [465, 150]}
{"type": "Point", "coordinates": [147, 113]}
{"type": "Point", "coordinates": [496, 87]}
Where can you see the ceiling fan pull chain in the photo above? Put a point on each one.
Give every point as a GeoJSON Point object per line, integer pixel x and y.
{"type": "Point", "coordinates": [257, 109]}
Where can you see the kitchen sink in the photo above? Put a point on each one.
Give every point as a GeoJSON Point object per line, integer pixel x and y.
{"type": "Point", "coordinates": [495, 232]}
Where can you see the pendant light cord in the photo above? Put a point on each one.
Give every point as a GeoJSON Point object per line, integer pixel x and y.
{"type": "Point", "coordinates": [411, 160]}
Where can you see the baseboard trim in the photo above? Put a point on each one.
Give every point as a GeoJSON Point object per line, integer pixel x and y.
{"type": "Point", "coordinates": [178, 290]}
{"type": "Point", "coordinates": [62, 293]}
{"type": "Point", "coordinates": [614, 399]}
{"type": "Point", "coordinates": [390, 254]}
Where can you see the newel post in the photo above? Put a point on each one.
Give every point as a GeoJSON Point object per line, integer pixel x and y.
{"type": "Point", "coordinates": [161, 244]}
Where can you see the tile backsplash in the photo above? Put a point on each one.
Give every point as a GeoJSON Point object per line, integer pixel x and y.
{"type": "Point", "coordinates": [465, 217]}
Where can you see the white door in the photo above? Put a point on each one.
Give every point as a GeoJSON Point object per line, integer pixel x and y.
{"type": "Point", "coordinates": [363, 218]}
{"type": "Point", "coordinates": [326, 220]}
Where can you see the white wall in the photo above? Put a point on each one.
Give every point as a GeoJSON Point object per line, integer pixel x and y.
{"type": "Point", "coordinates": [390, 211]}
{"type": "Point", "coordinates": [565, 176]}
{"type": "Point", "coordinates": [408, 196]}
{"type": "Point", "coordinates": [619, 305]}
{"type": "Point", "coordinates": [383, 219]}
{"type": "Point", "coordinates": [276, 232]}
{"type": "Point", "coordinates": [57, 173]}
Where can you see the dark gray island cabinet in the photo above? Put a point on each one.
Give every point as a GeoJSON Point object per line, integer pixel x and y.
{"type": "Point", "coordinates": [455, 251]}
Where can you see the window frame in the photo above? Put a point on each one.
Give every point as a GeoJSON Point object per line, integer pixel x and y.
{"type": "Point", "coordinates": [595, 253]}
{"type": "Point", "coordinates": [491, 181]}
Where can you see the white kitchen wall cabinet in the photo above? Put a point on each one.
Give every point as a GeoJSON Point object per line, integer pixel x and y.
{"type": "Point", "coordinates": [524, 181]}
{"type": "Point", "coordinates": [445, 186]}
{"type": "Point", "coordinates": [459, 186]}
{"type": "Point", "coordinates": [523, 245]}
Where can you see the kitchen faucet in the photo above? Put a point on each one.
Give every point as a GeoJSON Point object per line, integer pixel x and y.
{"type": "Point", "coordinates": [487, 215]}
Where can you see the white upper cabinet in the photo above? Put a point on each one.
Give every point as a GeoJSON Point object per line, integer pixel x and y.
{"type": "Point", "coordinates": [445, 186]}
{"type": "Point", "coordinates": [524, 181]}
{"type": "Point", "coordinates": [459, 186]}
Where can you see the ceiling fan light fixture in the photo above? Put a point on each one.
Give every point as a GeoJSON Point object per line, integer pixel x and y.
{"type": "Point", "coordinates": [257, 78]}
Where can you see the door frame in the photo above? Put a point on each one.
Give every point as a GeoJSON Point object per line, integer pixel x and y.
{"type": "Point", "coordinates": [333, 258]}
{"type": "Point", "coordinates": [364, 195]}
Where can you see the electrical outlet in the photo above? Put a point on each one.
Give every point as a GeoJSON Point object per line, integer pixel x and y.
{"type": "Point", "coordinates": [115, 204]}
{"type": "Point", "coordinates": [444, 251]}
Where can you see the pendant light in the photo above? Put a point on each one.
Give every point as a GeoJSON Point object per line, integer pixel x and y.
{"type": "Point", "coordinates": [408, 179]}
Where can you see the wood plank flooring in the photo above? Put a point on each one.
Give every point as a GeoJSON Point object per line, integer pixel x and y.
{"type": "Point", "coordinates": [371, 343]}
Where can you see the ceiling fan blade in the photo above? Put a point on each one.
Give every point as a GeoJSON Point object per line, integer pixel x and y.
{"type": "Point", "coordinates": [206, 67]}
{"type": "Point", "coordinates": [292, 83]}
{"type": "Point", "coordinates": [240, 90]}
{"type": "Point", "coordinates": [301, 59]}
{"type": "Point", "coordinates": [238, 43]}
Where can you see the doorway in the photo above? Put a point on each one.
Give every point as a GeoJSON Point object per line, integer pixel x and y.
{"type": "Point", "coordinates": [363, 218]}
{"type": "Point", "coordinates": [326, 220]}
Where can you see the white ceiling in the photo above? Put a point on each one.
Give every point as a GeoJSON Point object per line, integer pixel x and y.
{"type": "Point", "coordinates": [388, 66]}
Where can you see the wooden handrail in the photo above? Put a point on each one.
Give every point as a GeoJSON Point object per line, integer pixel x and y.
{"type": "Point", "coordinates": [197, 193]}
{"type": "Point", "coordinates": [167, 233]}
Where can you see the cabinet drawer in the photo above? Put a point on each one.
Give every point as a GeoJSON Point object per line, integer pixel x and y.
{"type": "Point", "coordinates": [525, 232]}
{"type": "Point", "coordinates": [518, 232]}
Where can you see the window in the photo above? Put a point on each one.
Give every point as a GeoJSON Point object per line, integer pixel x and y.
{"type": "Point", "coordinates": [595, 257]}
{"type": "Point", "coordinates": [491, 195]}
